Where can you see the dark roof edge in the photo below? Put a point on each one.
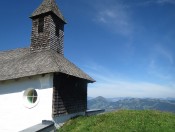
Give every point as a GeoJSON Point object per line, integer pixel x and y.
{"type": "Point", "coordinates": [49, 12]}
{"type": "Point", "coordinates": [48, 6]}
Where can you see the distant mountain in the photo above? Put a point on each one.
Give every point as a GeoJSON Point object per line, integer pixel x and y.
{"type": "Point", "coordinates": [172, 99]}
{"type": "Point", "coordinates": [98, 103]}
{"type": "Point", "coordinates": [132, 103]}
{"type": "Point", "coordinates": [117, 99]}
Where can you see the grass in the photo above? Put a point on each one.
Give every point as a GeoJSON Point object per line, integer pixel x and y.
{"type": "Point", "coordinates": [123, 121]}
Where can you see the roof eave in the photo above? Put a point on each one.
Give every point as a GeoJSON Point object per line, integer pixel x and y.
{"type": "Point", "coordinates": [51, 12]}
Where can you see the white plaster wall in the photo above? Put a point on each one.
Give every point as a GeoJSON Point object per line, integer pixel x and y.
{"type": "Point", "coordinates": [14, 116]}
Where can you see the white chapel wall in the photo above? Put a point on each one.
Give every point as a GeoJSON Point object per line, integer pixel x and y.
{"type": "Point", "coordinates": [14, 115]}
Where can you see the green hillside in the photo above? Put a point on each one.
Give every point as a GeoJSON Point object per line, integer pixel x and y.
{"type": "Point", "coordinates": [123, 121]}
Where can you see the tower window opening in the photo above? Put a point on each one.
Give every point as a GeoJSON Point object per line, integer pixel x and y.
{"type": "Point", "coordinates": [41, 25]}
{"type": "Point", "coordinates": [57, 30]}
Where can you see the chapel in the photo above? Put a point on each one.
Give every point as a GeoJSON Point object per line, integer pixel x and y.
{"type": "Point", "coordinates": [37, 82]}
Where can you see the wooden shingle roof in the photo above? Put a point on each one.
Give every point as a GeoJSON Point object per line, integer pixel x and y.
{"type": "Point", "coordinates": [21, 63]}
{"type": "Point", "coordinates": [48, 6]}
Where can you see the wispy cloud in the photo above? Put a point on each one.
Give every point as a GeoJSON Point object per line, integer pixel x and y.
{"type": "Point", "coordinates": [161, 63]}
{"type": "Point", "coordinates": [130, 89]}
{"type": "Point", "coordinates": [165, 1]}
{"type": "Point", "coordinates": [150, 2]}
{"type": "Point", "coordinates": [164, 52]}
{"type": "Point", "coordinates": [115, 16]}
{"type": "Point", "coordinates": [110, 84]}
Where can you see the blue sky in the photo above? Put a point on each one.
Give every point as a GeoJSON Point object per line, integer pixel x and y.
{"type": "Point", "coordinates": [127, 46]}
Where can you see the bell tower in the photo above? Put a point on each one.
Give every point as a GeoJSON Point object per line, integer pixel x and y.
{"type": "Point", "coordinates": [47, 28]}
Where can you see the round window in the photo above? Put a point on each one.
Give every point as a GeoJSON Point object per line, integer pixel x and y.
{"type": "Point", "coordinates": [31, 98]}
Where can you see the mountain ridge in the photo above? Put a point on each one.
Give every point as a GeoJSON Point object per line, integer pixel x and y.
{"type": "Point", "coordinates": [132, 104]}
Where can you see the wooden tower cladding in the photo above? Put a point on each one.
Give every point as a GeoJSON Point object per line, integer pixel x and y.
{"type": "Point", "coordinates": [47, 28]}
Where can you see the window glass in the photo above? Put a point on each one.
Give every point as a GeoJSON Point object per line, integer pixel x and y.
{"type": "Point", "coordinates": [32, 96]}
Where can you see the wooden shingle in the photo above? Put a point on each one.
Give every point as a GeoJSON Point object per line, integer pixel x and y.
{"type": "Point", "coordinates": [21, 63]}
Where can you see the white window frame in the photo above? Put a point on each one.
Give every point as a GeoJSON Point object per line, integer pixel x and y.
{"type": "Point", "coordinates": [26, 102]}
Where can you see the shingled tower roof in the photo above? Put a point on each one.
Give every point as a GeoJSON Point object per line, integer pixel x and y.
{"type": "Point", "coordinates": [46, 7]}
